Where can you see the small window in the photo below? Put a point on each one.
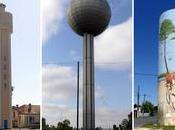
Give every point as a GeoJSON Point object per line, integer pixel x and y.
{"type": "Point", "coordinates": [5, 67]}
{"type": "Point", "coordinates": [14, 114]}
{"type": "Point", "coordinates": [5, 85]}
{"type": "Point", "coordinates": [5, 58]}
{"type": "Point", "coordinates": [5, 76]}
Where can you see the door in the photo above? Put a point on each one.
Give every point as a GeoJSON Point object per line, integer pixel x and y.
{"type": "Point", "coordinates": [5, 124]}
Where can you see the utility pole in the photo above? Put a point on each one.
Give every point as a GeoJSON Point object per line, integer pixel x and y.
{"type": "Point", "coordinates": [78, 78]}
{"type": "Point", "coordinates": [144, 99]}
{"type": "Point", "coordinates": [138, 98]}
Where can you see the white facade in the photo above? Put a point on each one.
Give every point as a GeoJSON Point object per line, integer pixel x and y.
{"type": "Point", "coordinates": [5, 68]}
{"type": "Point", "coordinates": [166, 113]}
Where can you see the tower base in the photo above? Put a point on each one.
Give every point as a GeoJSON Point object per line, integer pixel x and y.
{"type": "Point", "coordinates": [166, 103]}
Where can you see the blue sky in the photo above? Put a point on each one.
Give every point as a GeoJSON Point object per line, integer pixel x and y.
{"type": "Point", "coordinates": [146, 29]}
{"type": "Point", "coordinates": [62, 48]}
{"type": "Point", "coordinates": [25, 51]}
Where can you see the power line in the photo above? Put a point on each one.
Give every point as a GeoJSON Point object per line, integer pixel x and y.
{"type": "Point", "coordinates": [146, 74]}
{"type": "Point", "coordinates": [59, 63]}
{"type": "Point", "coordinates": [75, 62]}
{"type": "Point", "coordinates": [138, 98]}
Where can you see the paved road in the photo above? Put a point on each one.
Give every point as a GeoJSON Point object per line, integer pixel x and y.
{"type": "Point", "coordinates": [146, 129]}
{"type": "Point", "coordinates": [138, 122]}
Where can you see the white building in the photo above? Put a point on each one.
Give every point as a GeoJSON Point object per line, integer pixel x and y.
{"type": "Point", "coordinates": [26, 116]}
{"type": "Point", "coordinates": [5, 68]}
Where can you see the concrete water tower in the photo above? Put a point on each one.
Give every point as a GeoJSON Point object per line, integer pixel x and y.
{"type": "Point", "coordinates": [88, 18]}
{"type": "Point", "coordinates": [5, 68]}
{"type": "Point", "coordinates": [166, 78]}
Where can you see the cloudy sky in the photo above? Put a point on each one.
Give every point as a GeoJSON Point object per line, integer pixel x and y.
{"type": "Point", "coordinates": [62, 48]}
{"type": "Point", "coordinates": [25, 51]}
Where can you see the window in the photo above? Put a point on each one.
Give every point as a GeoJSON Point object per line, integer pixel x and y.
{"type": "Point", "coordinates": [5, 67]}
{"type": "Point", "coordinates": [5, 85]}
{"type": "Point", "coordinates": [5, 58]}
{"type": "Point", "coordinates": [5, 76]}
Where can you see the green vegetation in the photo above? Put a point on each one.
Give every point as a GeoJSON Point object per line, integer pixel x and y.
{"type": "Point", "coordinates": [148, 107]}
{"type": "Point", "coordinates": [126, 124]}
{"type": "Point", "coordinates": [154, 127]}
{"type": "Point", "coordinates": [166, 29]}
{"type": "Point", "coordinates": [65, 125]}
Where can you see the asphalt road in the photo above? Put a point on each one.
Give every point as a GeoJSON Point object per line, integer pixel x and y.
{"type": "Point", "coordinates": [138, 122]}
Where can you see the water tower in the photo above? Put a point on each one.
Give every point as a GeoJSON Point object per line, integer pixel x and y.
{"type": "Point", "coordinates": [5, 68]}
{"type": "Point", "coordinates": [88, 18]}
{"type": "Point", "coordinates": [166, 78]}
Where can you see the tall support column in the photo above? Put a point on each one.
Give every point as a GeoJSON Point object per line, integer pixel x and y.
{"type": "Point", "coordinates": [5, 68]}
{"type": "Point", "coordinates": [88, 83]}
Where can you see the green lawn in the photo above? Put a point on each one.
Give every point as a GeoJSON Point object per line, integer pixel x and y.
{"type": "Point", "coordinates": [158, 127]}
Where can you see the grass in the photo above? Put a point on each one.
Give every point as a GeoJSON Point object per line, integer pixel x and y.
{"type": "Point", "coordinates": [152, 126]}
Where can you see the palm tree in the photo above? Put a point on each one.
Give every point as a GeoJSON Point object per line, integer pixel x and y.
{"type": "Point", "coordinates": [166, 29]}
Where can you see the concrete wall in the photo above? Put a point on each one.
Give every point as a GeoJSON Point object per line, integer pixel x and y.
{"type": "Point", "coordinates": [5, 67]}
{"type": "Point", "coordinates": [166, 114]}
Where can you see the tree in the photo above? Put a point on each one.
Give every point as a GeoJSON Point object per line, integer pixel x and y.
{"type": "Point", "coordinates": [124, 124]}
{"type": "Point", "coordinates": [148, 107]}
{"type": "Point", "coordinates": [155, 109]}
{"type": "Point", "coordinates": [98, 128]}
{"type": "Point", "coordinates": [166, 29]}
{"type": "Point", "coordinates": [44, 125]}
{"type": "Point", "coordinates": [65, 125]}
{"type": "Point", "coordinates": [114, 127]}
{"type": "Point", "coordinates": [130, 120]}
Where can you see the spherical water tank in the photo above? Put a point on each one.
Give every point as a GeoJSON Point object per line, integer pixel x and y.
{"type": "Point", "coordinates": [89, 16]}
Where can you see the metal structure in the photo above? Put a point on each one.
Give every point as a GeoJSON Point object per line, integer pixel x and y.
{"type": "Point", "coordinates": [5, 68]}
{"type": "Point", "coordinates": [78, 80]}
{"type": "Point", "coordinates": [166, 78]}
{"type": "Point", "coordinates": [88, 18]}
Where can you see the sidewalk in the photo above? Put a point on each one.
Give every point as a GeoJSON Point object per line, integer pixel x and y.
{"type": "Point", "coordinates": [146, 129]}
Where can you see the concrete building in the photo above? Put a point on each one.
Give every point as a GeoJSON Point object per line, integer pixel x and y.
{"type": "Point", "coordinates": [166, 78]}
{"type": "Point", "coordinates": [5, 68]}
{"type": "Point", "coordinates": [26, 116]}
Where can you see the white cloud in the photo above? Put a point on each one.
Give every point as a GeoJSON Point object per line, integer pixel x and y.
{"type": "Point", "coordinates": [59, 82]}
{"type": "Point", "coordinates": [115, 46]}
{"type": "Point", "coordinates": [105, 116]}
{"type": "Point", "coordinates": [52, 13]}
